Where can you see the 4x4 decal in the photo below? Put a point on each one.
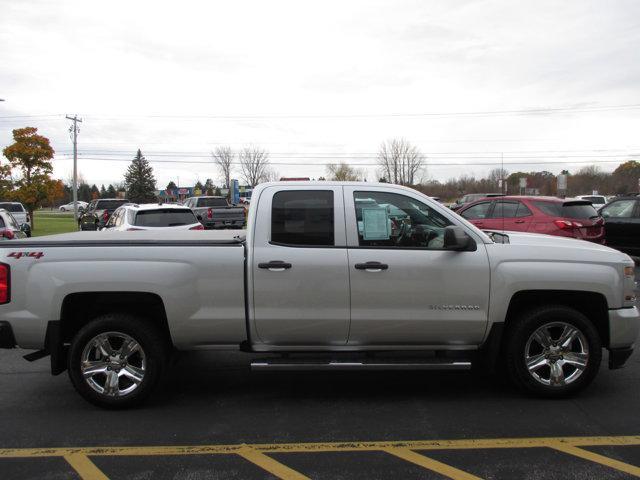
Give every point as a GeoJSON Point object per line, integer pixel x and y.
{"type": "Point", "coordinates": [35, 255]}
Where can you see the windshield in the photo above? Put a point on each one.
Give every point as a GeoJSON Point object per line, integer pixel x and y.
{"type": "Point", "coordinates": [12, 207]}
{"type": "Point", "coordinates": [213, 202]}
{"type": "Point", "coordinates": [166, 217]}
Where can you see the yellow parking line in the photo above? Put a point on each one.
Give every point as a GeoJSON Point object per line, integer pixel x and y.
{"type": "Point", "coordinates": [431, 464]}
{"type": "Point", "coordinates": [326, 447]}
{"type": "Point", "coordinates": [270, 465]}
{"type": "Point", "coordinates": [595, 457]}
{"type": "Point", "coordinates": [85, 467]}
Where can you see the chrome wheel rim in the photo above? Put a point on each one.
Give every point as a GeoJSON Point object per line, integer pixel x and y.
{"type": "Point", "coordinates": [556, 354]}
{"type": "Point", "coordinates": [113, 364]}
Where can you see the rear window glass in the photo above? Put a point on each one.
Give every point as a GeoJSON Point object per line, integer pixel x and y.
{"type": "Point", "coordinates": [212, 202]}
{"type": "Point", "coordinates": [598, 200]}
{"type": "Point", "coordinates": [12, 207]}
{"type": "Point", "coordinates": [165, 218]}
{"type": "Point", "coordinates": [568, 210]}
{"type": "Point", "coordinates": [302, 218]}
{"type": "Point", "coordinates": [110, 204]}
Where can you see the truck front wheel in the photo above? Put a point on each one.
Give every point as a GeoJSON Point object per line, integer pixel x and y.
{"type": "Point", "coordinates": [116, 360]}
{"type": "Point", "coordinates": [552, 351]}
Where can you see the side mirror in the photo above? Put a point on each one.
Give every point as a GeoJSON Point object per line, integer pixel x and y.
{"type": "Point", "coordinates": [199, 217]}
{"type": "Point", "coordinates": [25, 227]}
{"type": "Point", "coordinates": [455, 238]}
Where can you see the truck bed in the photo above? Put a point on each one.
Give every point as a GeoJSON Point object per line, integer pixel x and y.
{"type": "Point", "coordinates": [175, 237]}
{"type": "Point", "coordinates": [198, 275]}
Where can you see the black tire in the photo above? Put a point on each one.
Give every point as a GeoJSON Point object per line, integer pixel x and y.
{"type": "Point", "coordinates": [149, 338]}
{"type": "Point", "coordinates": [518, 334]}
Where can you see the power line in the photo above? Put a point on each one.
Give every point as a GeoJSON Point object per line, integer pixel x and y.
{"type": "Point", "coordinates": [527, 111]}
{"type": "Point", "coordinates": [306, 164]}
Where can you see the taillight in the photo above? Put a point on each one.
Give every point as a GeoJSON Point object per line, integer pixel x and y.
{"type": "Point", "coordinates": [197, 227]}
{"type": "Point", "coordinates": [5, 280]}
{"type": "Point", "coordinates": [8, 234]}
{"type": "Point", "coordinates": [567, 225]}
{"type": "Point", "coordinates": [105, 216]}
{"type": "Point", "coordinates": [209, 214]}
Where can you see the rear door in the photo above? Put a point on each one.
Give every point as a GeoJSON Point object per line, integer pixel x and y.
{"type": "Point", "coordinates": [509, 215]}
{"type": "Point", "coordinates": [299, 267]}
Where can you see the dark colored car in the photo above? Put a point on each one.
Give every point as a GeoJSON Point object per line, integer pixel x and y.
{"type": "Point", "coordinates": [622, 217]}
{"type": "Point", "coordinates": [472, 197]}
{"type": "Point", "coordinates": [98, 212]}
{"type": "Point", "coordinates": [216, 212]}
{"type": "Point", "coordinates": [548, 215]}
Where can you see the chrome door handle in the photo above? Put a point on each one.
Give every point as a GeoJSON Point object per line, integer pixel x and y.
{"type": "Point", "coordinates": [275, 265]}
{"type": "Point", "coordinates": [371, 266]}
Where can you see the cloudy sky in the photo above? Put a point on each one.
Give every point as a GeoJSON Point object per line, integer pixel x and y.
{"type": "Point", "coordinates": [468, 82]}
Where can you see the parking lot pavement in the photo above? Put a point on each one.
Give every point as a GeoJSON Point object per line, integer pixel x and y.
{"type": "Point", "coordinates": [213, 418]}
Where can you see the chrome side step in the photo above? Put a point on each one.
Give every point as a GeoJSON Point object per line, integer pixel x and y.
{"type": "Point", "coordinates": [281, 365]}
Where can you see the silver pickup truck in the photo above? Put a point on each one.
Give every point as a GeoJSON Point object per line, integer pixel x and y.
{"type": "Point", "coordinates": [330, 276]}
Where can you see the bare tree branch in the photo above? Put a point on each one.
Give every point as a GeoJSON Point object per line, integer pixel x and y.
{"type": "Point", "coordinates": [254, 164]}
{"type": "Point", "coordinates": [342, 172]}
{"type": "Point", "coordinates": [223, 157]}
{"type": "Point", "coordinates": [400, 162]}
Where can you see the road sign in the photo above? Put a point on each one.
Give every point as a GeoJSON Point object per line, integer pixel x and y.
{"type": "Point", "coordinates": [562, 182]}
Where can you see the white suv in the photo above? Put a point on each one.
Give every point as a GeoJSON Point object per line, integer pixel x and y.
{"type": "Point", "coordinates": [152, 216]}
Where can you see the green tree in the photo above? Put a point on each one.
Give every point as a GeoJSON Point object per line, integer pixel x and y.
{"type": "Point", "coordinates": [208, 187]}
{"type": "Point", "coordinates": [31, 154]}
{"type": "Point", "coordinates": [103, 191]}
{"type": "Point", "coordinates": [198, 187]}
{"type": "Point", "coordinates": [139, 180]}
{"type": "Point", "coordinates": [95, 192]}
{"type": "Point", "coordinates": [171, 185]}
{"type": "Point", "coordinates": [111, 191]}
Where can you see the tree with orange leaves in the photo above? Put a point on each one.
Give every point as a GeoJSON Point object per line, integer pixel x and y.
{"type": "Point", "coordinates": [31, 154]}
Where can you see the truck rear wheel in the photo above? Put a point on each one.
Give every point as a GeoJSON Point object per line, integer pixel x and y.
{"type": "Point", "coordinates": [116, 360]}
{"type": "Point", "coordinates": [552, 351]}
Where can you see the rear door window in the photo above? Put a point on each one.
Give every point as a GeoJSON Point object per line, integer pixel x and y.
{"type": "Point", "coordinates": [304, 218]}
{"type": "Point", "coordinates": [505, 210]}
{"type": "Point", "coordinates": [166, 217]}
{"type": "Point", "coordinates": [481, 210]}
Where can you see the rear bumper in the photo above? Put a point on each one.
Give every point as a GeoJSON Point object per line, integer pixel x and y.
{"type": "Point", "coordinates": [7, 339]}
{"type": "Point", "coordinates": [210, 225]}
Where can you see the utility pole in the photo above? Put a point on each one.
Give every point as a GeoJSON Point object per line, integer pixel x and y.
{"type": "Point", "coordinates": [74, 130]}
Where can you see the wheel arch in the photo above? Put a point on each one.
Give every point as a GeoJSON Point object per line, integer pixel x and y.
{"type": "Point", "coordinates": [78, 309]}
{"type": "Point", "coordinates": [592, 305]}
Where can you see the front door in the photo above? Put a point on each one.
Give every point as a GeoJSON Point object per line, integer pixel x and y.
{"type": "Point", "coordinates": [299, 267]}
{"type": "Point", "coordinates": [406, 289]}
{"type": "Point", "coordinates": [622, 225]}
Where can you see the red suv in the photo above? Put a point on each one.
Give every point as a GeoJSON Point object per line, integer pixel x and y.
{"type": "Point", "coordinates": [548, 215]}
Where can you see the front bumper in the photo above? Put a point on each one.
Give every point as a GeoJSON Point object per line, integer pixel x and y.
{"type": "Point", "coordinates": [624, 327]}
{"type": "Point", "coordinates": [7, 340]}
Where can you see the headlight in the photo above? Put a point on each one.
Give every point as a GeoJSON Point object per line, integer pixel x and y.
{"type": "Point", "coordinates": [629, 271]}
